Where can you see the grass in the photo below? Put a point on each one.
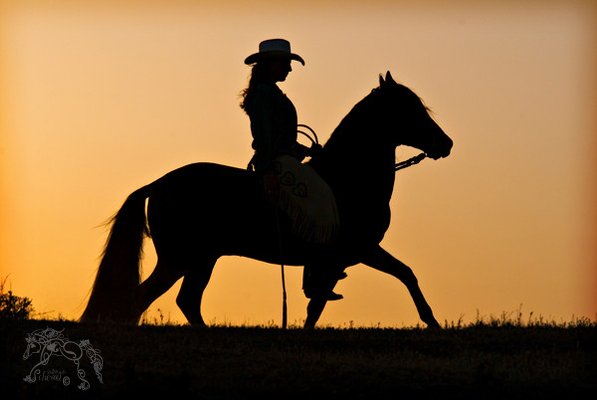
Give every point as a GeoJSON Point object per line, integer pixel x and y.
{"type": "Point", "coordinates": [497, 357]}
{"type": "Point", "coordinates": [12, 306]}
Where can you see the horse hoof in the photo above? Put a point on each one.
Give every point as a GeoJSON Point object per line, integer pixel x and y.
{"type": "Point", "coordinates": [433, 325]}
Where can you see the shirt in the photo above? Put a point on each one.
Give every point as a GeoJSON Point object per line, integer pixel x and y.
{"type": "Point", "coordinates": [273, 124]}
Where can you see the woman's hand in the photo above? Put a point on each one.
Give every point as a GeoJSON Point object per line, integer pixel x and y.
{"type": "Point", "coordinates": [302, 152]}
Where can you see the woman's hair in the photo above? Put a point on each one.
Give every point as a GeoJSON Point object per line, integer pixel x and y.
{"type": "Point", "coordinates": [259, 74]}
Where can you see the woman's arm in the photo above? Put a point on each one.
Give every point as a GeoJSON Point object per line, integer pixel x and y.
{"type": "Point", "coordinates": [261, 126]}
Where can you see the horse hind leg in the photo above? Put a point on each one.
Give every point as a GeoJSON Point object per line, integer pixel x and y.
{"type": "Point", "coordinates": [161, 279]}
{"type": "Point", "coordinates": [191, 292]}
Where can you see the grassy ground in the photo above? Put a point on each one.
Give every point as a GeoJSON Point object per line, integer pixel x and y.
{"type": "Point", "coordinates": [492, 360]}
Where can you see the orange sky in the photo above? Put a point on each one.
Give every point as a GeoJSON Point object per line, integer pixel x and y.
{"type": "Point", "coordinates": [99, 99]}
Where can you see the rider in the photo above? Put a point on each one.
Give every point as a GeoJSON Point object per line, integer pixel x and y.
{"type": "Point", "coordinates": [274, 129]}
{"type": "Point", "coordinates": [273, 116]}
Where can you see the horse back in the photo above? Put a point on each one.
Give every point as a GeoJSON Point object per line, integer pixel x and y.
{"type": "Point", "coordinates": [215, 208]}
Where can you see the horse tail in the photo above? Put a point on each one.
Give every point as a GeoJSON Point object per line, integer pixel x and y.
{"type": "Point", "coordinates": [114, 295]}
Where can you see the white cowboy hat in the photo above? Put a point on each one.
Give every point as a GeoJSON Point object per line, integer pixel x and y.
{"type": "Point", "coordinates": [273, 48]}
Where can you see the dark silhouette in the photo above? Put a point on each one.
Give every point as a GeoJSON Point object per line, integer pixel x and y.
{"type": "Point", "coordinates": [203, 211]}
{"type": "Point", "coordinates": [273, 116]}
{"type": "Point", "coordinates": [294, 187]}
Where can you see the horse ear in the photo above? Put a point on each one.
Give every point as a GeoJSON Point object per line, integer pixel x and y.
{"type": "Point", "coordinates": [389, 78]}
{"type": "Point", "coordinates": [381, 81]}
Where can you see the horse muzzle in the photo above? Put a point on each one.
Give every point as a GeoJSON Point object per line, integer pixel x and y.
{"type": "Point", "coordinates": [441, 148]}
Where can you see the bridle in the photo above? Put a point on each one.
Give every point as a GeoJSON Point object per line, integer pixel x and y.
{"type": "Point", "coordinates": [411, 161]}
{"type": "Point", "coordinates": [312, 136]}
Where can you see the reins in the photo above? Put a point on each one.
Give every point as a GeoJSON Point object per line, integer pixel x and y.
{"type": "Point", "coordinates": [312, 136]}
{"type": "Point", "coordinates": [411, 161]}
{"type": "Point", "coordinates": [314, 139]}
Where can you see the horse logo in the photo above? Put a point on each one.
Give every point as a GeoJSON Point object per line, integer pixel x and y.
{"type": "Point", "coordinates": [50, 342]}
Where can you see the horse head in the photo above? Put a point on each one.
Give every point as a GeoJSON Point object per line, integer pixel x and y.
{"type": "Point", "coordinates": [407, 119]}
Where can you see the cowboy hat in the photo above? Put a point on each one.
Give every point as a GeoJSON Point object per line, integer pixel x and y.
{"type": "Point", "coordinates": [273, 48]}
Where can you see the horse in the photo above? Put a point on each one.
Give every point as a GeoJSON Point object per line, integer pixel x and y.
{"type": "Point", "coordinates": [203, 211]}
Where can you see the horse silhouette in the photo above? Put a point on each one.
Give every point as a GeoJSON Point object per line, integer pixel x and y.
{"type": "Point", "coordinates": [203, 211]}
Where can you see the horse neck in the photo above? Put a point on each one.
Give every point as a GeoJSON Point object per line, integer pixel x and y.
{"type": "Point", "coordinates": [352, 162]}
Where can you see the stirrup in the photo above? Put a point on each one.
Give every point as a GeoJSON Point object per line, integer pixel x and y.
{"type": "Point", "coordinates": [328, 296]}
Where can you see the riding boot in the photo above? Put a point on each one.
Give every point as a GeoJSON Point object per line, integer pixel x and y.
{"type": "Point", "coordinates": [319, 284]}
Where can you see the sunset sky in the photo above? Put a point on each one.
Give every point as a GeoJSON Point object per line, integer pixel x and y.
{"type": "Point", "coordinates": [98, 99]}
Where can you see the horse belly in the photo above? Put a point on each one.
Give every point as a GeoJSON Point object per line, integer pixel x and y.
{"type": "Point", "coordinates": [219, 217]}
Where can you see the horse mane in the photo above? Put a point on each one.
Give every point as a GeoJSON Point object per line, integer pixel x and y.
{"type": "Point", "coordinates": [358, 111]}
{"type": "Point", "coordinates": [357, 122]}
{"type": "Point", "coordinates": [369, 115]}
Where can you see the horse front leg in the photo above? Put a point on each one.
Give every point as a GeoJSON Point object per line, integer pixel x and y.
{"type": "Point", "coordinates": [314, 310]}
{"type": "Point", "coordinates": [318, 284]}
{"type": "Point", "coordinates": [381, 260]}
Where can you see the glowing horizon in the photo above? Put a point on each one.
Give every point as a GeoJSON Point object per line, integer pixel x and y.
{"type": "Point", "coordinates": [100, 99]}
